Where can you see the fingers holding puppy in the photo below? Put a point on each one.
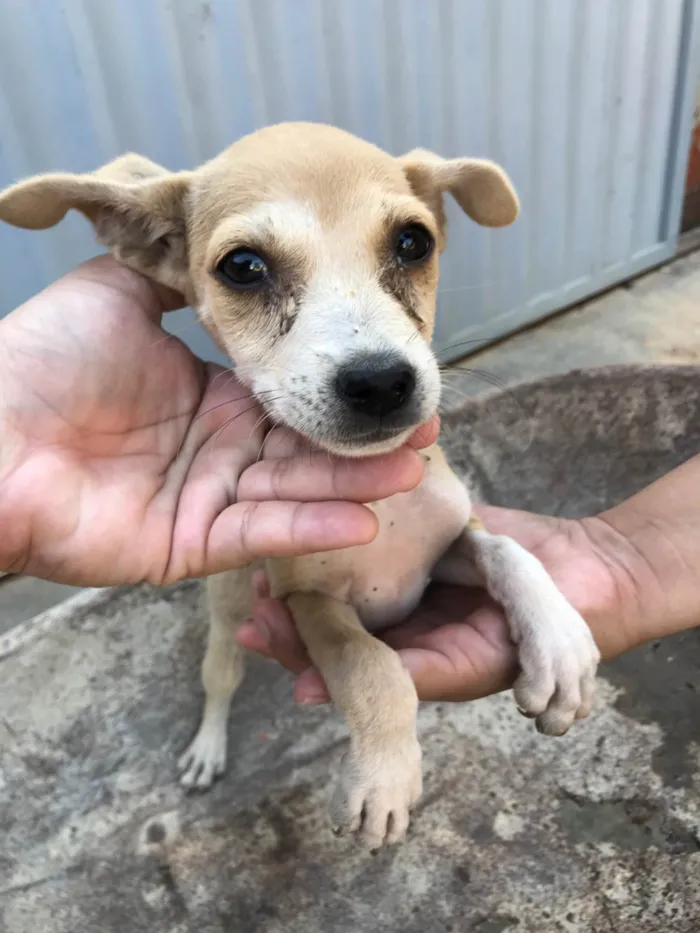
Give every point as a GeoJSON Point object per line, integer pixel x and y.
{"type": "Point", "coordinates": [318, 478]}
{"type": "Point", "coordinates": [293, 473]}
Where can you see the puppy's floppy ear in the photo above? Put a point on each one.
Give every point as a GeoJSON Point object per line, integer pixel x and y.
{"type": "Point", "coordinates": [138, 209]}
{"type": "Point", "coordinates": [480, 187]}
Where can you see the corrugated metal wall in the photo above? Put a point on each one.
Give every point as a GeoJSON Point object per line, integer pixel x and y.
{"type": "Point", "coordinates": [586, 102]}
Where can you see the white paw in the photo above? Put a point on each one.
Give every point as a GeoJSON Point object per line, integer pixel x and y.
{"type": "Point", "coordinates": [205, 759]}
{"type": "Point", "coordinates": [376, 791]}
{"type": "Point", "coordinates": [558, 661]}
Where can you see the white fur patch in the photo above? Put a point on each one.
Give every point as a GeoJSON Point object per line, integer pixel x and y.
{"type": "Point", "coordinates": [294, 220]}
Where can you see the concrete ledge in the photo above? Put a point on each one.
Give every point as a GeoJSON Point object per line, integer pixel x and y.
{"type": "Point", "coordinates": [22, 633]}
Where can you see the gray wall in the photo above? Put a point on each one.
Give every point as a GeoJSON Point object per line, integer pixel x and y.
{"type": "Point", "coordinates": [587, 103]}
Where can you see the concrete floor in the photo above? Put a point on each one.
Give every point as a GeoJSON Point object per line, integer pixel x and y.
{"type": "Point", "coordinates": [21, 598]}
{"type": "Point", "coordinates": [598, 832]}
{"type": "Point", "coordinates": [652, 319]}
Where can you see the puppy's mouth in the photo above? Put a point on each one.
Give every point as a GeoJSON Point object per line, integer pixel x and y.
{"type": "Point", "coordinates": [341, 438]}
{"type": "Point", "coordinates": [368, 443]}
{"type": "Point", "coordinates": [368, 407]}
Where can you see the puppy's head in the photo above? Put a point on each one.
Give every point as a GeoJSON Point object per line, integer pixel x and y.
{"type": "Point", "coordinates": [310, 255]}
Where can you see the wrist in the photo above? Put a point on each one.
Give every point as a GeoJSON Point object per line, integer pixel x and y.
{"type": "Point", "coordinates": [12, 520]}
{"type": "Point", "coordinates": [593, 565]}
{"type": "Point", "coordinates": [11, 449]}
{"type": "Point", "coordinates": [653, 589]}
{"type": "Point", "coordinates": [616, 600]}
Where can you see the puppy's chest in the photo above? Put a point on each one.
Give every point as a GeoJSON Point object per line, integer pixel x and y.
{"type": "Point", "coordinates": [385, 580]}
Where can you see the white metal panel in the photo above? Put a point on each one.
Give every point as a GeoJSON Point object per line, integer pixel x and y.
{"type": "Point", "coordinates": [585, 102]}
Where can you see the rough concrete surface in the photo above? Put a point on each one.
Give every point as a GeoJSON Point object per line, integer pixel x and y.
{"type": "Point", "coordinates": [595, 833]}
{"type": "Point", "coordinates": [21, 598]}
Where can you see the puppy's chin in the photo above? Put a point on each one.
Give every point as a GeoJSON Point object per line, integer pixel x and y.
{"type": "Point", "coordinates": [364, 446]}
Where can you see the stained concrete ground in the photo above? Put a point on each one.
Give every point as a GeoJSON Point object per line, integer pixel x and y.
{"type": "Point", "coordinates": [596, 833]}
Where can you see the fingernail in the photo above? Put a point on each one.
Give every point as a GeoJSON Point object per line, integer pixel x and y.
{"type": "Point", "coordinates": [314, 699]}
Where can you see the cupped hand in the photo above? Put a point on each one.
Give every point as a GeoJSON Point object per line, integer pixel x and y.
{"type": "Point", "coordinates": [456, 645]}
{"type": "Point", "coordinates": [124, 458]}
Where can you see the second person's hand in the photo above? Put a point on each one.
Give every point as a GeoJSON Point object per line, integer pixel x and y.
{"type": "Point", "coordinates": [456, 645]}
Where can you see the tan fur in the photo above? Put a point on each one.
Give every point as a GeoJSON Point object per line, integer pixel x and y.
{"type": "Point", "coordinates": [323, 204]}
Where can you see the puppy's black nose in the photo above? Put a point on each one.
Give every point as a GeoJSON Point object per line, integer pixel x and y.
{"type": "Point", "coordinates": [376, 385]}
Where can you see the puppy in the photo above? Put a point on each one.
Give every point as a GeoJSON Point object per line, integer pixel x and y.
{"type": "Point", "coordinates": [312, 258]}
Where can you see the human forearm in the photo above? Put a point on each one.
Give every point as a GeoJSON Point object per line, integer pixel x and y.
{"type": "Point", "coordinates": [659, 528]}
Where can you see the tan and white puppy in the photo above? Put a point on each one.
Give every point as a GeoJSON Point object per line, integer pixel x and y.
{"type": "Point", "coordinates": [312, 258]}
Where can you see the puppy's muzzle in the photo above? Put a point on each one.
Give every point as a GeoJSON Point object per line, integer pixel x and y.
{"type": "Point", "coordinates": [376, 386]}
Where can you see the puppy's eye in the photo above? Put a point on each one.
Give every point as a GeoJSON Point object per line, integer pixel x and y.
{"type": "Point", "coordinates": [413, 245]}
{"type": "Point", "coordinates": [242, 268]}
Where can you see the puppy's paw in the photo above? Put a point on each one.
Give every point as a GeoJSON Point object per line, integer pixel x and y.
{"type": "Point", "coordinates": [205, 759]}
{"type": "Point", "coordinates": [376, 790]}
{"type": "Point", "coordinates": [558, 660]}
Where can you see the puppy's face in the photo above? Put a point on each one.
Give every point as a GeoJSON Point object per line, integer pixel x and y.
{"type": "Point", "coordinates": [311, 256]}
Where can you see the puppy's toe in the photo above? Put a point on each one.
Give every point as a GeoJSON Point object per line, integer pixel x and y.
{"type": "Point", "coordinates": [375, 818]}
{"type": "Point", "coordinates": [204, 760]}
{"type": "Point", "coordinates": [559, 716]}
{"type": "Point", "coordinates": [346, 810]}
{"type": "Point", "coordinates": [196, 776]}
{"type": "Point", "coordinates": [587, 695]}
{"type": "Point", "coordinates": [397, 826]}
{"type": "Point", "coordinates": [199, 775]}
{"type": "Point", "coordinates": [384, 820]}
{"type": "Point", "coordinates": [534, 689]}
{"type": "Point", "coordinates": [375, 794]}
{"type": "Point", "coordinates": [554, 722]}
{"type": "Point", "coordinates": [558, 659]}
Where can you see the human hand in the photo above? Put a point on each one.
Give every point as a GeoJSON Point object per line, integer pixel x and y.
{"type": "Point", "coordinates": [125, 458]}
{"type": "Point", "coordinates": [456, 645]}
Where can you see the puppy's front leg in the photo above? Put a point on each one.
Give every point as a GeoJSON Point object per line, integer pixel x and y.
{"type": "Point", "coordinates": [381, 777]}
{"type": "Point", "coordinates": [557, 654]}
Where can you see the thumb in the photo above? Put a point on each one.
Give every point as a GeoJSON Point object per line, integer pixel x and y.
{"type": "Point", "coordinates": [247, 530]}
